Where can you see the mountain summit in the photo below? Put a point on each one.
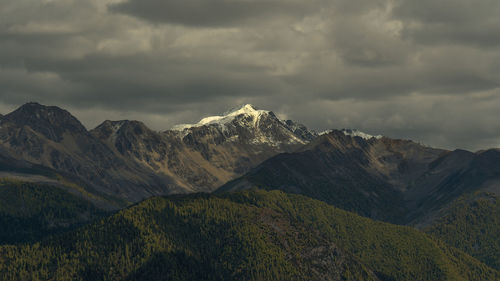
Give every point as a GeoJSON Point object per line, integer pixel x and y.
{"type": "Point", "coordinates": [247, 110]}
{"type": "Point", "coordinates": [50, 121]}
{"type": "Point", "coordinates": [203, 156]}
{"type": "Point", "coordinates": [251, 126]}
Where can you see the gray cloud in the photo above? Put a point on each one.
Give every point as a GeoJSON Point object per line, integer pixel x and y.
{"type": "Point", "coordinates": [428, 71]}
{"type": "Point", "coordinates": [212, 12]}
{"type": "Point", "coordinates": [451, 21]}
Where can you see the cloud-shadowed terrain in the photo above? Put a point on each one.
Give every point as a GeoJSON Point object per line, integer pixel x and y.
{"type": "Point", "coordinates": [426, 70]}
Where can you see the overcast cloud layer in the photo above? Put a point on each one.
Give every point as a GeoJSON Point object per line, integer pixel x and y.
{"type": "Point", "coordinates": [426, 70]}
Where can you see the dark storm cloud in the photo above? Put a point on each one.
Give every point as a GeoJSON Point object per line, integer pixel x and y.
{"type": "Point", "coordinates": [451, 21]}
{"type": "Point", "coordinates": [158, 81]}
{"type": "Point", "coordinates": [426, 70]}
{"type": "Point", "coordinates": [212, 12]}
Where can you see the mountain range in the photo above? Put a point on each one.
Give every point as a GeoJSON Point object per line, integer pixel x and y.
{"type": "Point", "coordinates": [120, 163]}
{"type": "Point", "coordinates": [123, 162]}
{"type": "Point", "coordinates": [388, 179]}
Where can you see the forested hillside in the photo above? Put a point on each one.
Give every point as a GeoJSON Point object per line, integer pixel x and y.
{"type": "Point", "coordinates": [472, 224]}
{"type": "Point", "coordinates": [31, 211]}
{"type": "Point", "coordinates": [250, 235]}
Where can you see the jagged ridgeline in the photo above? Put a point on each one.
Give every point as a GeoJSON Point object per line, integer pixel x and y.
{"type": "Point", "coordinates": [249, 235]}
{"type": "Point", "coordinates": [245, 235]}
{"type": "Point", "coordinates": [128, 162]}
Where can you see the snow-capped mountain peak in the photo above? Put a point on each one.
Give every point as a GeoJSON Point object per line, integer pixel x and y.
{"type": "Point", "coordinates": [247, 109]}
{"type": "Point", "coordinates": [358, 133]}
{"type": "Point", "coordinates": [248, 125]}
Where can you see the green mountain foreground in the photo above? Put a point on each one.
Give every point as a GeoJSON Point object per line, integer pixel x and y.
{"type": "Point", "coordinates": [248, 235]}
{"type": "Point", "coordinates": [30, 212]}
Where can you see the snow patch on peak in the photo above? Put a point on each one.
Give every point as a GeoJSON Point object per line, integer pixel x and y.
{"type": "Point", "coordinates": [247, 109]}
{"type": "Point", "coordinates": [182, 127]}
{"type": "Point", "coordinates": [325, 132]}
{"type": "Point", "coordinates": [353, 133]}
{"type": "Point", "coordinates": [357, 133]}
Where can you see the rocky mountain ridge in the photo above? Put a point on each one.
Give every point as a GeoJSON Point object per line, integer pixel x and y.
{"type": "Point", "coordinates": [393, 180]}
{"type": "Point", "coordinates": [122, 162]}
{"type": "Point", "coordinates": [127, 160]}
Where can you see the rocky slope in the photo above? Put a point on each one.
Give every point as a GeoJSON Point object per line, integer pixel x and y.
{"type": "Point", "coordinates": [124, 161]}
{"type": "Point", "coordinates": [203, 156]}
{"type": "Point", "coordinates": [52, 138]}
{"type": "Point", "coordinates": [450, 176]}
{"type": "Point", "coordinates": [366, 175]}
{"type": "Point", "coordinates": [393, 180]}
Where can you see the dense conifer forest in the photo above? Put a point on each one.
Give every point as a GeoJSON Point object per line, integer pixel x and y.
{"type": "Point", "coordinates": [32, 211]}
{"type": "Point", "coordinates": [473, 225]}
{"type": "Point", "coordinates": [250, 235]}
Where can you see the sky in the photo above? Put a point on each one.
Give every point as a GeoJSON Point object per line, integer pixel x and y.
{"type": "Point", "coordinates": [427, 70]}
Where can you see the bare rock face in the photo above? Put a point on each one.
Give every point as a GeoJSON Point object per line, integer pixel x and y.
{"type": "Point", "coordinates": [53, 138]}
{"type": "Point", "coordinates": [300, 130]}
{"type": "Point", "coordinates": [203, 156]}
{"type": "Point", "coordinates": [49, 121]}
{"type": "Point", "coordinates": [126, 161]}
{"type": "Point", "coordinates": [235, 142]}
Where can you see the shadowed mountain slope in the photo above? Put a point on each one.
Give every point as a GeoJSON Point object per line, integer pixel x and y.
{"type": "Point", "coordinates": [394, 180]}
{"type": "Point", "coordinates": [368, 176]}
